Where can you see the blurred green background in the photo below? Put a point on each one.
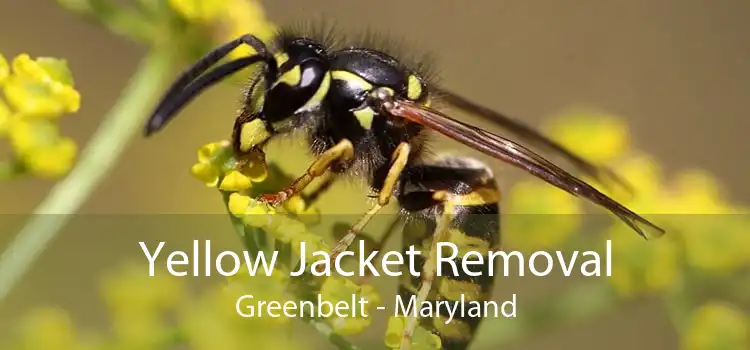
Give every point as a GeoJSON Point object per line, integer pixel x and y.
{"type": "Point", "coordinates": [676, 71]}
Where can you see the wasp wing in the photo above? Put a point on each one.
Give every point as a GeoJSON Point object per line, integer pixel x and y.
{"type": "Point", "coordinates": [517, 155]}
{"type": "Point", "coordinates": [530, 135]}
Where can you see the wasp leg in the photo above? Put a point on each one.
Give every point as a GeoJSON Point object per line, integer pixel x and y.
{"type": "Point", "coordinates": [342, 152]}
{"type": "Point", "coordinates": [429, 271]}
{"type": "Point", "coordinates": [328, 181]}
{"type": "Point", "coordinates": [398, 163]}
{"type": "Point", "coordinates": [453, 200]}
{"type": "Point", "coordinates": [379, 246]}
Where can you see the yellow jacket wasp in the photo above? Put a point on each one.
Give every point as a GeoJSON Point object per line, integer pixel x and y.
{"type": "Point", "coordinates": [366, 114]}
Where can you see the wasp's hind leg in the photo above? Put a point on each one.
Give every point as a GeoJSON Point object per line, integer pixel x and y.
{"type": "Point", "coordinates": [399, 161]}
{"type": "Point", "coordinates": [455, 200]}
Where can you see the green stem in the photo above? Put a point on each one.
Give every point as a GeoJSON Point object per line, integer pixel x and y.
{"type": "Point", "coordinates": [118, 128]}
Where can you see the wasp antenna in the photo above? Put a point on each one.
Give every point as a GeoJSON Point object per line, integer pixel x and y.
{"type": "Point", "coordinates": [190, 82]}
{"type": "Point", "coordinates": [169, 108]}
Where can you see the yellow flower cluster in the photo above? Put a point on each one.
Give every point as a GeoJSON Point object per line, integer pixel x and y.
{"type": "Point", "coordinates": [717, 325]}
{"type": "Point", "coordinates": [704, 230]}
{"type": "Point", "coordinates": [215, 161]}
{"type": "Point", "coordinates": [36, 93]}
{"type": "Point", "coordinates": [214, 324]}
{"type": "Point", "coordinates": [160, 312]}
{"type": "Point", "coordinates": [421, 339]}
{"type": "Point", "coordinates": [217, 167]}
{"type": "Point", "coordinates": [232, 18]}
{"type": "Point", "coordinates": [338, 289]}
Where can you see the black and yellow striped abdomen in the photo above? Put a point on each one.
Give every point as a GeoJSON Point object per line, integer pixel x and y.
{"type": "Point", "coordinates": [467, 191]}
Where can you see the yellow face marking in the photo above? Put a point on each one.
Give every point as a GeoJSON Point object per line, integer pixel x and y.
{"type": "Point", "coordinates": [320, 94]}
{"type": "Point", "coordinates": [281, 58]}
{"type": "Point", "coordinates": [365, 117]}
{"type": "Point", "coordinates": [252, 134]}
{"type": "Point", "coordinates": [291, 77]}
{"type": "Point", "coordinates": [413, 88]}
{"type": "Point", "coordinates": [351, 78]}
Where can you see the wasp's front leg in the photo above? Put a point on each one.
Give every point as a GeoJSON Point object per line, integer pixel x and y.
{"type": "Point", "coordinates": [342, 152]}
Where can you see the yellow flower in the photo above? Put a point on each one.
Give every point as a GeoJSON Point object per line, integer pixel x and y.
{"type": "Point", "coordinates": [540, 216]}
{"type": "Point", "coordinates": [235, 181]}
{"type": "Point", "coordinates": [38, 144]}
{"type": "Point", "coordinates": [212, 322]}
{"type": "Point", "coordinates": [201, 11]}
{"type": "Point", "coordinates": [421, 339]}
{"type": "Point", "coordinates": [285, 229]}
{"type": "Point", "coordinates": [714, 233]}
{"type": "Point", "coordinates": [42, 87]}
{"type": "Point", "coordinates": [640, 266]}
{"type": "Point", "coordinates": [716, 243]}
{"type": "Point", "coordinates": [53, 161]}
{"type": "Point", "coordinates": [337, 290]}
{"type": "Point", "coordinates": [645, 176]}
{"type": "Point", "coordinates": [717, 326]}
{"type": "Point", "coordinates": [215, 161]}
{"type": "Point", "coordinates": [245, 17]}
{"type": "Point", "coordinates": [252, 212]}
{"type": "Point", "coordinates": [207, 152]}
{"type": "Point", "coordinates": [262, 287]}
{"type": "Point", "coordinates": [596, 136]}
{"type": "Point", "coordinates": [137, 330]}
{"type": "Point", "coordinates": [297, 206]}
{"type": "Point", "coordinates": [205, 172]}
{"type": "Point", "coordinates": [48, 328]}
{"type": "Point", "coordinates": [131, 292]}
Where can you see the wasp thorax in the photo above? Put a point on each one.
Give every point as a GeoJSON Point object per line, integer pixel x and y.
{"type": "Point", "coordinates": [301, 83]}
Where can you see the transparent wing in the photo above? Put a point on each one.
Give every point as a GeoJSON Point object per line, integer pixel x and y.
{"type": "Point", "coordinates": [519, 156]}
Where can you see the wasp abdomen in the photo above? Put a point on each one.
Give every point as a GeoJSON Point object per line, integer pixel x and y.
{"type": "Point", "coordinates": [465, 190]}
